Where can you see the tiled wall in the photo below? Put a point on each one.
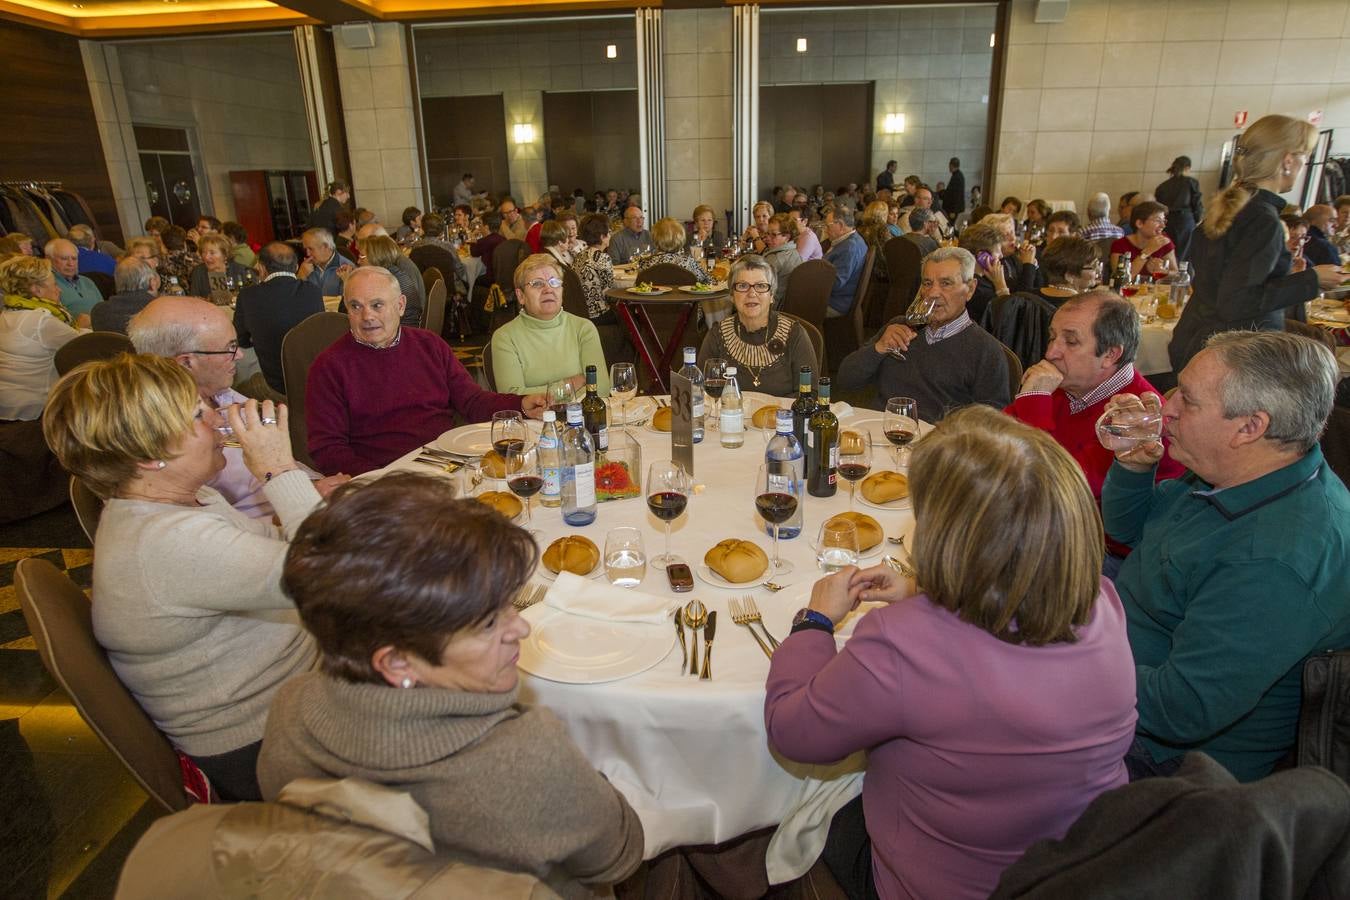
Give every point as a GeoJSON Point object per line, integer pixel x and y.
{"type": "Point", "coordinates": [521, 62]}
{"type": "Point", "coordinates": [242, 96]}
{"type": "Point", "coordinates": [932, 64]}
{"type": "Point", "coordinates": [698, 78]}
{"type": "Point", "coordinates": [1106, 100]}
{"type": "Point", "coordinates": [377, 99]}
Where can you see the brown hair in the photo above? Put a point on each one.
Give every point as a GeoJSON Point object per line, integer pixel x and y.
{"type": "Point", "coordinates": [787, 223]}
{"type": "Point", "coordinates": [980, 237]}
{"type": "Point", "coordinates": [400, 562]}
{"type": "Point", "coordinates": [593, 228]}
{"type": "Point", "coordinates": [219, 241]}
{"type": "Point", "coordinates": [1067, 255]}
{"type": "Point", "coordinates": [1257, 156]}
{"type": "Point", "coordinates": [1145, 210]}
{"type": "Point", "coordinates": [551, 234]}
{"type": "Point", "coordinates": [104, 417]}
{"type": "Point", "coordinates": [379, 250]}
{"type": "Point", "coordinates": [1007, 534]}
{"type": "Point", "coordinates": [174, 237]}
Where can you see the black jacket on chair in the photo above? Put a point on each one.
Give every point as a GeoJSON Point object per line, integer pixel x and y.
{"type": "Point", "coordinates": [265, 312]}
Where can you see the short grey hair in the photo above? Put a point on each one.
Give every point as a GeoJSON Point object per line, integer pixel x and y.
{"type": "Point", "coordinates": [377, 272]}
{"type": "Point", "coordinates": [132, 274]}
{"type": "Point", "coordinates": [919, 217]}
{"type": "Point", "coordinates": [322, 235]}
{"type": "Point", "coordinates": [1291, 379]}
{"type": "Point", "coordinates": [755, 262]}
{"type": "Point", "coordinates": [82, 236]}
{"type": "Point", "coordinates": [842, 212]}
{"type": "Point", "coordinates": [1115, 325]}
{"type": "Point", "coordinates": [1099, 207]}
{"type": "Point", "coordinates": [163, 338]}
{"type": "Point", "coordinates": [949, 254]}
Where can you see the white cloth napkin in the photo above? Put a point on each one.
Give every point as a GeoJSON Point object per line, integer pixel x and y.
{"type": "Point", "coordinates": [601, 600]}
{"type": "Point", "coordinates": [799, 838]}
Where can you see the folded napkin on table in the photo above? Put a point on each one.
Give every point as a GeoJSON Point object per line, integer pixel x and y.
{"type": "Point", "coordinates": [841, 410]}
{"type": "Point", "coordinates": [601, 600]}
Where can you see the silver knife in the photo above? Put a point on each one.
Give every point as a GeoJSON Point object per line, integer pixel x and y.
{"type": "Point", "coordinates": [684, 648]}
{"type": "Point", "coordinates": [709, 632]}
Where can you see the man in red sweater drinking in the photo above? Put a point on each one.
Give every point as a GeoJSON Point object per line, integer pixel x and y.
{"type": "Point", "coordinates": [385, 388]}
{"type": "Point", "coordinates": [1090, 359]}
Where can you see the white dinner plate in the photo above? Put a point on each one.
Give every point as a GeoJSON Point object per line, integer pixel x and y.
{"type": "Point", "coordinates": [593, 574]}
{"type": "Point", "coordinates": [708, 576]}
{"type": "Point", "coordinates": [476, 439]}
{"type": "Point", "coordinates": [637, 412]}
{"type": "Point", "coordinates": [579, 650]}
{"type": "Point", "coordinates": [653, 292]}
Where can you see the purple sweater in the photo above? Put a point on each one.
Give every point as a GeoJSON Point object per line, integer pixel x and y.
{"type": "Point", "coordinates": [365, 408]}
{"type": "Point", "coordinates": [976, 747]}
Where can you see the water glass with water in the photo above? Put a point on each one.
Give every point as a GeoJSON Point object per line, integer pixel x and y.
{"type": "Point", "coordinates": [837, 545]}
{"type": "Point", "coordinates": [625, 557]}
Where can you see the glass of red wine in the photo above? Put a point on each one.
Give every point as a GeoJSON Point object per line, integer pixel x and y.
{"type": "Point", "coordinates": [667, 496]}
{"type": "Point", "coordinates": [714, 380]}
{"type": "Point", "coordinates": [522, 474]}
{"type": "Point", "coordinates": [777, 493]}
{"type": "Point", "coordinates": [900, 423]}
{"type": "Point", "coordinates": [508, 432]}
{"type": "Point", "coordinates": [855, 459]}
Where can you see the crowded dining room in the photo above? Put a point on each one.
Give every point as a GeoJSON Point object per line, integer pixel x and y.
{"type": "Point", "coordinates": [675, 451]}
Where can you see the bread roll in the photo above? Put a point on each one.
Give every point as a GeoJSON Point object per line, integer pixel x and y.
{"type": "Point", "coordinates": [883, 487]}
{"type": "Point", "coordinates": [766, 417]}
{"type": "Point", "coordinates": [661, 419]}
{"type": "Point", "coordinates": [493, 465]}
{"type": "Point", "coordinates": [573, 553]}
{"type": "Point", "coordinates": [502, 501]}
{"type": "Point", "coordinates": [850, 442]}
{"type": "Point", "coordinates": [737, 561]}
{"type": "Point", "coordinates": [869, 531]}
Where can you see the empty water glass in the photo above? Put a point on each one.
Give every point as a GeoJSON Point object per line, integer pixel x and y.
{"type": "Point", "coordinates": [1130, 423]}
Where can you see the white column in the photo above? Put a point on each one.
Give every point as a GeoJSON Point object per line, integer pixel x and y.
{"type": "Point", "coordinates": [113, 121]}
{"type": "Point", "coordinates": [745, 111]}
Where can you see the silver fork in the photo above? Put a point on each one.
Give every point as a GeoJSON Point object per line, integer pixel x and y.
{"type": "Point", "coordinates": [774, 587]}
{"type": "Point", "coordinates": [752, 612]}
{"type": "Point", "coordinates": [740, 617]}
{"type": "Point", "coordinates": [529, 596]}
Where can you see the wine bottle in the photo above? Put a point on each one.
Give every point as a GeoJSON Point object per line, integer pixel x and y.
{"type": "Point", "coordinates": [822, 446]}
{"type": "Point", "coordinates": [804, 405]}
{"type": "Point", "coordinates": [593, 412]}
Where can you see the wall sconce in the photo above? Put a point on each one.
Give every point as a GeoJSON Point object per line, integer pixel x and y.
{"type": "Point", "coordinates": [991, 39]}
{"type": "Point", "coordinates": [612, 52]}
{"type": "Point", "coordinates": [801, 45]}
{"type": "Point", "coordinates": [894, 123]}
{"type": "Point", "coordinates": [524, 133]}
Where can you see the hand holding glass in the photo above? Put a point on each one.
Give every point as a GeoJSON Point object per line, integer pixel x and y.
{"type": "Point", "coordinates": [1130, 422]}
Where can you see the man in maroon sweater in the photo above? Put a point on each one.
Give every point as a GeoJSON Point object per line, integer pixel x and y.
{"type": "Point", "coordinates": [383, 389]}
{"type": "Point", "coordinates": [1090, 359]}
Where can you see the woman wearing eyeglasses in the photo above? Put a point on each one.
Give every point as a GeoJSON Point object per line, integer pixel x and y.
{"type": "Point", "coordinates": [545, 343]}
{"type": "Point", "coordinates": [767, 347]}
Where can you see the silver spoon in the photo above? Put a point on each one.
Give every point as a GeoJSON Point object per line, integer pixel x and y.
{"type": "Point", "coordinates": [695, 614]}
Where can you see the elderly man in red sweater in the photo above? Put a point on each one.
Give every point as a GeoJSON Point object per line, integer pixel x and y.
{"type": "Point", "coordinates": [385, 388]}
{"type": "Point", "coordinates": [1090, 359]}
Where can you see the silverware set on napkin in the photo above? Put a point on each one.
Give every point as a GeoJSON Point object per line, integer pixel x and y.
{"type": "Point", "coordinates": [696, 616]}
{"type": "Point", "coordinates": [442, 459]}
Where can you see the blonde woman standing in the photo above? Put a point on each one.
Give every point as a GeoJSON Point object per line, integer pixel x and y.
{"type": "Point", "coordinates": [1245, 278]}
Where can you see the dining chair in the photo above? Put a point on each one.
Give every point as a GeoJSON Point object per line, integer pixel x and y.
{"type": "Point", "coordinates": [817, 339]}
{"type": "Point", "coordinates": [1336, 442]}
{"type": "Point", "coordinates": [299, 348]}
{"type": "Point", "coordinates": [58, 615]}
{"type": "Point", "coordinates": [505, 258]}
{"type": "Point", "coordinates": [574, 294]}
{"type": "Point", "coordinates": [1014, 370]}
{"type": "Point", "coordinates": [435, 311]}
{"type": "Point", "coordinates": [90, 346]}
{"type": "Point", "coordinates": [904, 263]}
{"type": "Point", "coordinates": [666, 275]}
{"type": "Point", "coordinates": [88, 507]}
{"type": "Point", "coordinates": [844, 334]}
{"type": "Point", "coordinates": [808, 291]}
{"type": "Point", "coordinates": [487, 365]}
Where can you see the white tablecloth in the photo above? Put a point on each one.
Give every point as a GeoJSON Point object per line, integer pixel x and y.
{"type": "Point", "coordinates": [691, 756]}
{"type": "Point", "coordinates": [473, 270]}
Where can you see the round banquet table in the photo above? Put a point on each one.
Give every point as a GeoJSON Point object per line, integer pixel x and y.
{"type": "Point", "coordinates": [691, 756]}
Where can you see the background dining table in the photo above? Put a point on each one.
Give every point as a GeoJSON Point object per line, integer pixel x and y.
{"type": "Point", "coordinates": [691, 755]}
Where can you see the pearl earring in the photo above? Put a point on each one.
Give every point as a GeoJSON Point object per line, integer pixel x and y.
{"type": "Point", "coordinates": [406, 683]}
{"type": "Point", "coordinates": [161, 464]}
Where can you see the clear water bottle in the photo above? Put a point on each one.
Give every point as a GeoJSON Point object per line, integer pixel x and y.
{"type": "Point", "coordinates": [786, 460]}
{"type": "Point", "coordinates": [691, 371]}
{"type": "Point", "coordinates": [550, 460]}
{"type": "Point", "coordinates": [732, 419]}
{"type": "Point", "coordinates": [578, 470]}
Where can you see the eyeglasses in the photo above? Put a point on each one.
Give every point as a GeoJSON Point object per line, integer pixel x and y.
{"type": "Point", "coordinates": [539, 283]}
{"type": "Point", "coordinates": [745, 287]}
{"type": "Point", "coordinates": [230, 350]}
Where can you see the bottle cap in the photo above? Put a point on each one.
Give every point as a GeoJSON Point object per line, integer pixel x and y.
{"type": "Point", "coordinates": [574, 414]}
{"type": "Point", "coordinates": [730, 370]}
{"type": "Point", "coordinates": [784, 424]}
{"type": "Point", "coordinates": [550, 416]}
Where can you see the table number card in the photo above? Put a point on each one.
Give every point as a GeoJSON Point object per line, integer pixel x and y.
{"type": "Point", "coordinates": [682, 422]}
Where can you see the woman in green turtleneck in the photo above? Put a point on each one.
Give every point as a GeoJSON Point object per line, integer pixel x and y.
{"type": "Point", "coordinates": [545, 343]}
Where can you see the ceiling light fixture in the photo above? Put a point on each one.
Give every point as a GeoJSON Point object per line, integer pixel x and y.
{"type": "Point", "coordinates": [801, 45]}
{"type": "Point", "coordinates": [612, 52]}
{"type": "Point", "coordinates": [894, 123]}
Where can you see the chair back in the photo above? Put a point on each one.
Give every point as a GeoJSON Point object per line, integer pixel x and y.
{"type": "Point", "coordinates": [505, 258]}
{"type": "Point", "coordinates": [299, 348]}
{"type": "Point", "coordinates": [574, 295]}
{"type": "Point", "coordinates": [1014, 370]}
{"type": "Point", "coordinates": [666, 275]}
{"type": "Point", "coordinates": [904, 262]}
{"type": "Point", "coordinates": [104, 282]}
{"type": "Point", "coordinates": [487, 365]}
{"type": "Point", "coordinates": [58, 615]}
{"type": "Point", "coordinates": [92, 345]}
{"type": "Point", "coordinates": [1336, 443]}
{"type": "Point", "coordinates": [862, 298]}
{"type": "Point", "coordinates": [431, 275]}
{"type": "Point", "coordinates": [1324, 716]}
{"type": "Point", "coordinates": [88, 507]}
{"type": "Point", "coordinates": [808, 291]}
{"type": "Point", "coordinates": [817, 340]}
{"type": "Point", "coordinates": [435, 311]}
{"type": "Point", "coordinates": [429, 256]}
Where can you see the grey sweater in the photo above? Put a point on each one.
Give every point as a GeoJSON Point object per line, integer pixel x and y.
{"type": "Point", "coordinates": [188, 604]}
{"type": "Point", "coordinates": [503, 784]}
{"type": "Point", "coordinates": [968, 367]}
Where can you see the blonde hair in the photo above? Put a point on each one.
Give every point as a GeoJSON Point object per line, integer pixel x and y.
{"type": "Point", "coordinates": [668, 235]}
{"type": "Point", "coordinates": [874, 214]}
{"type": "Point", "coordinates": [532, 262]}
{"type": "Point", "coordinates": [765, 204]}
{"type": "Point", "coordinates": [1008, 536]}
{"type": "Point", "coordinates": [379, 250]}
{"type": "Point", "coordinates": [105, 417]}
{"type": "Point", "coordinates": [18, 274]}
{"type": "Point", "coordinates": [219, 241]}
{"type": "Point", "coordinates": [788, 223]}
{"type": "Point", "coordinates": [1259, 153]}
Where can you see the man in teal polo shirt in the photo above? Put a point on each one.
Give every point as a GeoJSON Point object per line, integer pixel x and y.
{"type": "Point", "coordinates": [1241, 568]}
{"type": "Point", "coordinates": [78, 294]}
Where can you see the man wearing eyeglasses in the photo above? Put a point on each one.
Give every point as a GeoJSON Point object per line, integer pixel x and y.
{"type": "Point", "coordinates": [200, 336]}
{"type": "Point", "coordinates": [950, 363]}
{"type": "Point", "coordinates": [630, 240]}
{"type": "Point", "coordinates": [386, 388]}
{"type": "Point", "coordinates": [513, 226]}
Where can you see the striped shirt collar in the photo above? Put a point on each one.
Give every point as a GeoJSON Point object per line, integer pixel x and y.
{"type": "Point", "coordinates": [942, 332]}
{"type": "Point", "coordinates": [1108, 388]}
{"type": "Point", "coordinates": [389, 346]}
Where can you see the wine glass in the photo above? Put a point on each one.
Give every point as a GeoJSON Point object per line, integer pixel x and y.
{"type": "Point", "coordinates": [625, 557]}
{"type": "Point", "coordinates": [916, 317]}
{"type": "Point", "coordinates": [855, 459]}
{"type": "Point", "coordinates": [714, 380]}
{"type": "Point", "coordinates": [667, 496]}
{"type": "Point", "coordinates": [508, 432]}
{"type": "Point", "coordinates": [777, 491]}
{"type": "Point", "coordinates": [837, 544]}
{"type": "Point", "coordinates": [900, 423]}
{"type": "Point", "coordinates": [560, 394]}
{"type": "Point", "coordinates": [522, 474]}
{"type": "Point", "coordinates": [622, 387]}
